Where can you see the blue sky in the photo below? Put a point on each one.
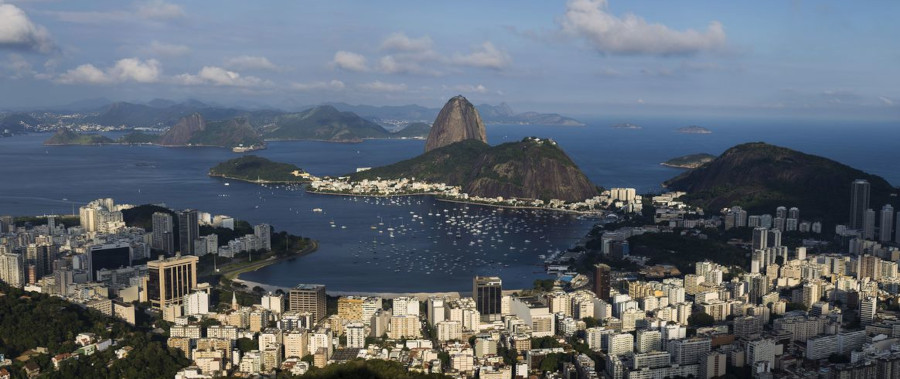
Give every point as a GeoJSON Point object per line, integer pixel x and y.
{"type": "Point", "coordinates": [802, 59]}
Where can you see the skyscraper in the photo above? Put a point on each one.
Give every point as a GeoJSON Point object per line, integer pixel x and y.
{"type": "Point", "coordinates": [859, 202]}
{"type": "Point", "coordinates": [868, 228]}
{"type": "Point", "coordinates": [12, 269]}
{"type": "Point", "coordinates": [188, 230]}
{"type": "Point", "coordinates": [169, 280]}
{"type": "Point", "coordinates": [601, 281]}
{"type": "Point", "coordinates": [264, 233]}
{"type": "Point", "coordinates": [867, 309]}
{"type": "Point", "coordinates": [308, 298]}
{"type": "Point", "coordinates": [887, 223]}
{"type": "Point", "coordinates": [759, 238]}
{"type": "Point", "coordinates": [488, 293]}
{"type": "Point", "coordinates": [163, 237]}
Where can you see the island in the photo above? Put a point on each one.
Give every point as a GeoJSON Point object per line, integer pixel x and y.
{"type": "Point", "coordinates": [689, 161]}
{"type": "Point", "coordinates": [626, 125]}
{"type": "Point", "coordinates": [65, 136]}
{"type": "Point", "coordinates": [694, 129]}
{"type": "Point", "coordinates": [251, 168]}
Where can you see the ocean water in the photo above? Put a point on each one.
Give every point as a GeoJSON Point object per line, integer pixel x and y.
{"type": "Point", "coordinates": [437, 252]}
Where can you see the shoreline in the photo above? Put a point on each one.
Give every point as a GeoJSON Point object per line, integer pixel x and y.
{"type": "Point", "coordinates": [234, 275]}
{"type": "Point", "coordinates": [211, 175]}
{"type": "Point", "coordinates": [439, 198]}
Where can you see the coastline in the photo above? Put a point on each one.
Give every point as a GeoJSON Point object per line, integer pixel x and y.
{"type": "Point", "coordinates": [259, 181]}
{"type": "Point", "coordinates": [439, 198]}
{"type": "Point", "coordinates": [234, 274]}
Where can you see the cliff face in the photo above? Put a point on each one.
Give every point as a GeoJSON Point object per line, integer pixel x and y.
{"type": "Point", "coordinates": [457, 121]}
{"type": "Point", "coordinates": [181, 132]}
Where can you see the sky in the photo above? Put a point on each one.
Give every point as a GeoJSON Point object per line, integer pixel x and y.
{"type": "Point", "coordinates": [781, 59]}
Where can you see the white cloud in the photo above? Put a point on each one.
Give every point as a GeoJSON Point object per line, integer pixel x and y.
{"type": "Point", "coordinates": [404, 64]}
{"type": "Point", "coordinates": [486, 56]}
{"type": "Point", "coordinates": [400, 42]}
{"type": "Point", "coordinates": [86, 73]}
{"type": "Point", "coordinates": [334, 85]}
{"type": "Point", "coordinates": [379, 86]}
{"type": "Point", "coordinates": [159, 10]}
{"type": "Point", "coordinates": [133, 69]}
{"type": "Point", "coordinates": [165, 49]}
{"type": "Point", "coordinates": [632, 34]}
{"type": "Point", "coordinates": [469, 88]}
{"type": "Point", "coordinates": [18, 66]}
{"type": "Point", "coordinates": [247, 62]}
{"type": "Point", "coordinates": [349, 61]}
{"type": "Point", "coordinates": [17, 31]}
{"type": "Point", "coordinates": [220, 77]}
{"type": "Point", "coordinates": [125, 70]}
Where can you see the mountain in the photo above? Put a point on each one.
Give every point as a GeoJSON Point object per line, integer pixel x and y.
{"type": "Point", "coordinates": [531, 168]}
{"type": "Point", "coordinates": [324, 123]}
{"type": "Point", "coordinates": [65, 136]}
{"type": "Point", "coordinates": [761, 177]}
{"type": "Point", "coordinates": [163, 113]}
{"type": "Point", "coordinates": [418, 130]}
{"type": "Point", "coordinates": [457, 121]}
{"type": "Point", "coordinates": [15, 123]}
{"type": "Point", "coordinates": [503, 114]}
{"type": "Point", "coordinates": [194, 130]}
{"type": "Point", "coordinates": [253, 168]}
{"type": "Point", "coordinates": [490, 114]}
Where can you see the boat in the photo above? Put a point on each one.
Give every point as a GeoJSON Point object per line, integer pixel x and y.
{"type": "Point", "coordinates": [317, 210]}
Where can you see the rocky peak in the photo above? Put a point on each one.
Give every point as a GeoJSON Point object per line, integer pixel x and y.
{"type": "Point", "coordinates": [457, 121]}
{"type": "Point", "coordinates": [181, 132]}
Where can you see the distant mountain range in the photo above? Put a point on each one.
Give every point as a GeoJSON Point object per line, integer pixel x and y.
{"type": "Point", "coordinates": [490, 114]}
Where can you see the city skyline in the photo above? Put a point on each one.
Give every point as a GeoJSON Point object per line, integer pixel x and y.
{"type": "Point", "coordinates": [581, 57]}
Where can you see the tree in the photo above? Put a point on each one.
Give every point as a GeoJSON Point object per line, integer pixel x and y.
{"type": "Point", "coordinates": [700, 319]}
{"type": "Point", "coordinates": [246, 344]}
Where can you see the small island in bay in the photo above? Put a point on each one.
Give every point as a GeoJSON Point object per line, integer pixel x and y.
{"type": "Point", "coordinates": [690, 161]}
{"type": "Point", "coordinates": [66, 136]}
{"type": "Point", "coordinates": [251, 168]}
{"type": "Point", "coordinates": [626, 125]}
{"type": "Point", "coordinates": [694, 129]}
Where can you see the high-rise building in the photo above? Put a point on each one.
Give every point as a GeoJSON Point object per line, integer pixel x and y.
{"type": "Point", "coordinates": [6, 224]}
{"type": "Point", "coordinates": [12, 269]}
{"type": "Point", "coordinates": [859, 202]}
{"type": "Point", "coordinates": [163, 237]}
{"type": "Point", "coordinates": [169, 280]}
{"type": "Point", "coordinates": [869, 267]}
{"type": "Point", "coordinates": [781, 212]}
{"type": "Point", "coordinates": [897, 237]}
{"type": "Point", "coordinates": [110, 256]}
{"type": "Point", "coordinates": [602, 275]}
{"type": "Point", "coordinates": [308, 298]}
{"type": "Point", "coordinates": [712, 365]}
{"type": "Point", "coordinates": [488, 293]}
{"type": "Point", "coordinates": [794, 213]}
{"type": "Point", "coordinates": [887, 223]}
{"type": "Point", "coordinates": [188, 230]}
{"type": "Point", "coordinates": [867, 309]}
{"type": "Point", "coordinates": [436, 310]}
{"type": "Point", "coordinates": [264, 233]}
{"type": "Point", "coordinates": [774, 238]}
{"type": "Point", "coordinates": [760, 236]}
{"type": "Point", "coordinates": [868, 230]}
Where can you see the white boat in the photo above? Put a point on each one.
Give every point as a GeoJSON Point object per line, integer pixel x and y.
{"type": "Point", "coordinates": [317, 210]}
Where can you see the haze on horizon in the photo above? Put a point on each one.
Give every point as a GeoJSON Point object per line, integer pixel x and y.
{"type": "Point", "coordinates": [799, 59]}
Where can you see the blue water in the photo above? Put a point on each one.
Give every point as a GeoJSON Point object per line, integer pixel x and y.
{"type": "Point", "coordinates": [35, 179]}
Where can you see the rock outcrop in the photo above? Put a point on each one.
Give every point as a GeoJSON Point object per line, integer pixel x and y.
{"type": "Point", "coordinates": [181, 133]}
{"type": "Point", "coordinates": [457, 121]}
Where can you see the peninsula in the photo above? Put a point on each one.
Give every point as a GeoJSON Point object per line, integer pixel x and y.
{"type": "Point", "coordinates": [251, 168]}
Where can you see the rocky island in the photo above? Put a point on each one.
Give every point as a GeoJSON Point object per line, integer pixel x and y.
{"type": "Point", "coordinates": [251, 168]}
{"type": "Point", "coordinates": [694, 129]}
{"type": "Point", "coordinates": [66, 136]}
{"type": "Point", "coordinates": [690, 161]}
